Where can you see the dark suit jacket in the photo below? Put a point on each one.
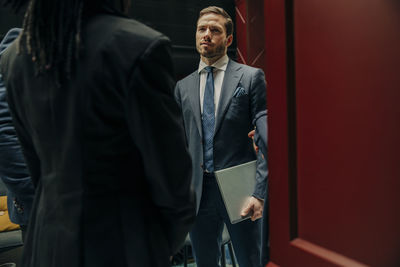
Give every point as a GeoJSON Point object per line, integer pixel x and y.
{"type": "Point", "coordinates": [261, 133]}
{"type": "Point", "coordinates": [13, 170]}
{"type": "Point", "coordinates": [106, 151]}
{"type": "Point", "coordinates": [234, 119]}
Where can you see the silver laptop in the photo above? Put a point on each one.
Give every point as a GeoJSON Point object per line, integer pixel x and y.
{"type": "Point", "coordinates": [237, 184]}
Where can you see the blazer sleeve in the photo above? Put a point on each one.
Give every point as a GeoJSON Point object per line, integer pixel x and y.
{"type": "Point", "coordinates": [261, 133]}
{"type": "Point", "coordinates": [155, 123]}
{"type": "Point", "coordinates": [23, 134]}
{"type": "Point", "coordinates": [13, 170]}
{"type": "Point", "coordinates": [260, 190]}
{"type": "Point", "coordinates": [259, 104]}
{"type": "Point", "coordinates": [258, 93]}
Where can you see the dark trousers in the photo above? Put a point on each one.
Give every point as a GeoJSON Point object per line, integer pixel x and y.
{"type": "Point", "coordinates": [207, 230]}
{"type": "Point", "coordinates": [265, 233]}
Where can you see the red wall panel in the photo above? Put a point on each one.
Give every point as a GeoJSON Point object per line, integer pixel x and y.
{"type": "Point", "coordinates": [347, 93]}
{"type": "Point", "coordinates": [333, 75]}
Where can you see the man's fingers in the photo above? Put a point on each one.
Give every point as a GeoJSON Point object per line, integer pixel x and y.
{"type": "Point", "coordinates": [253, 208]}
{"type": "Point", "coordinates": [256, 215]}
{"type": "Point", "coordinates": [246, 210]}
{"type": "Point", "coordinates": [251, 134]}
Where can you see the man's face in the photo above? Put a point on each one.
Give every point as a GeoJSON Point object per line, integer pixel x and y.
{"type": "Point", "coordinates": [211, 39]}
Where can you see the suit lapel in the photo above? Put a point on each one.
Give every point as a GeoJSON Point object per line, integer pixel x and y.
{"type": "Point", "coordinates": [195, 100]}
{"type": "Point", "coordinates": [231, 80]}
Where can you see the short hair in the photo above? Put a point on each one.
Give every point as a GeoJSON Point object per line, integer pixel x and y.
{"type": "Point", "coordinates": [219, 11]}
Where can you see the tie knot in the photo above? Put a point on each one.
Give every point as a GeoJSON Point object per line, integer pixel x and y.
{"type": "Point", "coordinates": [209, 69]}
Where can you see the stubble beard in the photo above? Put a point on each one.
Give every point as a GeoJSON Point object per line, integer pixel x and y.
{"type": "Point", "coordinates": [219, 51]}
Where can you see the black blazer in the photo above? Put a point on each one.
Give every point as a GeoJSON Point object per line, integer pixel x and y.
{"type": "Point", "coordinates": [106, 151]}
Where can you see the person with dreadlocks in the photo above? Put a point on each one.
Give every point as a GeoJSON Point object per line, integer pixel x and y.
{"type": "Point", "coordinates": [90, 92]}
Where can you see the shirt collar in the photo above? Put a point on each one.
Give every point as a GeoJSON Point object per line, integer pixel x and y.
{"type": "Point", "coordinates": [220, 64]}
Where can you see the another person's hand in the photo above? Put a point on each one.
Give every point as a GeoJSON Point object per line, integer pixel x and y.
{"type": "Point", "coordinates": [251, 135]}
{"type": "Point", "coordinates": [253, 207]}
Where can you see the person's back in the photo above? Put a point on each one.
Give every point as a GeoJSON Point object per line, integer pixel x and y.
{"type": "Point", "coordinates": [99, 147]}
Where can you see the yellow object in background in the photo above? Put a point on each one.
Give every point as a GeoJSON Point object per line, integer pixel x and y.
{"type": "Point", "coordinates": [5, 223]}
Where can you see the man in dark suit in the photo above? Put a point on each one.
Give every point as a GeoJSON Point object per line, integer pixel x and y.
{"type": "Point", "coordinates": [219, 102]}
{"type": "Point", "coordinates": [91, 96]}
{"type": "Point", "coordinates": [13, 170]}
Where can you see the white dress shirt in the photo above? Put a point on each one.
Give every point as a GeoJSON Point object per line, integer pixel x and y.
{"type": "Point", "coordinates": [219, 73]}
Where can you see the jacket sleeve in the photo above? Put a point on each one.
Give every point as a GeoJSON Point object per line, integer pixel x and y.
{"type": "Point", "coordinates": [261, 133]}
{"type": "Point", "coordinates": [258, 105]}
{"type": "Point", "coordinates": [260, 190]}
{"type": "Point", "coordinates": [155, 123]}
{"type": "Point", "coordinates": [258, 93]}
{"type": "Point", "coordinates": [13, 170]}
{"type": "Point", "coordinates": [23, 136]}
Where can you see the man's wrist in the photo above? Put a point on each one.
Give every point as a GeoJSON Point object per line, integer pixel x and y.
{"type": "Point", "coordinates": [258, 198]}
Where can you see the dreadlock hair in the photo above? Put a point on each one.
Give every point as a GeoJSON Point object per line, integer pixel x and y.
{"type": "Point", "coordinates": [51, 32]}
{"type": "Point", "coordinates": [51, 35]}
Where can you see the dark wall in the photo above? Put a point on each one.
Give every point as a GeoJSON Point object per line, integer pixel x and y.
{"type": "Point", "coordinates": [8, 20]}
{"type": "Point", "coordinates": [175, 18]}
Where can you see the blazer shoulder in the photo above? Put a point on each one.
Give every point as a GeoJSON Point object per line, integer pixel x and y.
{"type": "Point", "coordinates": [7, 44]}
{"type": "Point", "coordinates": [244, 67]}
{"type": "Point", "coordinates": [11, 35]}
{"type": "Point", "coordinates": [6, 59]}
{"type": "Point", "coordinates": [139, 30]}
{"type": "Point", "coordinates": [121, 29]}
{"type": "Point", "coordinates": [188, 80]}
{"type": "Point", "coordinates": [119, 42]}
